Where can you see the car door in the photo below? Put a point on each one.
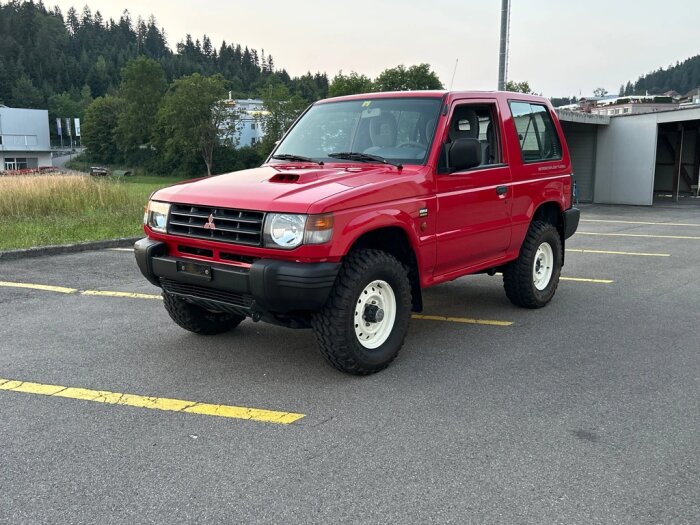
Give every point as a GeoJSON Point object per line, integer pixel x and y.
{"type": "Point", "coordinates": [474, 224]}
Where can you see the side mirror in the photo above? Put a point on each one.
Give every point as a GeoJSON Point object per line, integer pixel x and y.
{"type": "Point", "coordinates": [464, 154]}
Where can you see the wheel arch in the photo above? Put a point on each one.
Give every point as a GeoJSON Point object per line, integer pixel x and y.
{"type": "Point", "coordinates": [395, 240]}
{"type": "Point", "coordinates": [551, 212]}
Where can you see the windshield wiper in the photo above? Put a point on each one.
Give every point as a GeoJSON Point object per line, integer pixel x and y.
{"type": "Point", "coordinates": [362, 157]}
{"type": "Point", "coordinates": [297, 158]}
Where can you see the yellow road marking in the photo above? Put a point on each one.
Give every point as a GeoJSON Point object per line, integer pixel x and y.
{"type": "Point", "coordinates": [464, 320]}
{"type": "Point", "coordinates": [641, 235]}
{"type": "Point", "coordinates": [45, 287]}
{"type": "Point", "coordinates": [582, 280]}
{"type": "Point", "coordinates": [154, 403]}
{"type": "Point", "coordinates": [643, 222]}
{"type": "Point", "coordinates": [640, 254]}
{"type": "Point", "coordinates": [131, 295]}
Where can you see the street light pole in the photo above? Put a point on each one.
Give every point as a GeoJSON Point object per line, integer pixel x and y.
{"type": "Point", "coordinates": [503, 53]}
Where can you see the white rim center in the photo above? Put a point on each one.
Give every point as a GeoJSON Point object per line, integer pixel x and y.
{"type": "Point", "coordinates": [375, 313]}
{"type": "Point", "coordinates": [542, 269]}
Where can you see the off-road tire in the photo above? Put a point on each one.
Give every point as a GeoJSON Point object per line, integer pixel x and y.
{"type": "Point", "coordinates": [334, 325]}
{"type": "Point", "coordinates": [197, 319]}
{"type": "Point", "coordinates": [518, 279]}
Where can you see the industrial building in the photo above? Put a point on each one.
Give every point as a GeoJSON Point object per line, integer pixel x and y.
{"type": "Point", "coordinates": [635, 158]}
{"type": "Point", "coordinates": [24, 139]}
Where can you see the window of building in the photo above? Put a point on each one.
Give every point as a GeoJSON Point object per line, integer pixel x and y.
{"type": "Point", "coordinates": [18, 163]}
{"type": "Point", "coordinates": [538, 137]}
{"type": "Point", "coordinates": [252, 125]}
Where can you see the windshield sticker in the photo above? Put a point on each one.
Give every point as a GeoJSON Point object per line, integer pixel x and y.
{"type": "Point", "coordinates": [369, 113]}
{"type": "Point", "coordinates": [366, 103]}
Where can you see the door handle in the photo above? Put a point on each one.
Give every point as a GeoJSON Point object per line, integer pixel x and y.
{"type": "Point", "coordinates": [501, 190]}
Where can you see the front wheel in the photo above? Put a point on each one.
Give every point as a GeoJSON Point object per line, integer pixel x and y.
{"type": "Point", "coordinates": [197, 319]}
{"type": "Point", "coordinates": [364, 321]}
{"type": "Point", "coordinates": [531, 280]}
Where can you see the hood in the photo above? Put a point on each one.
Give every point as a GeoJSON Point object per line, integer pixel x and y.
{"type": "Point", "coordinates": [281, 187]}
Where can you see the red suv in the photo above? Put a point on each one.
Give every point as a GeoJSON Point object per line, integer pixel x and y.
{"type": "Point", "coordinates": [367, 200]}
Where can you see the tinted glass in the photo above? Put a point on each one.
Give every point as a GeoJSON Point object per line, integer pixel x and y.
{"type": "Point", "coordinates": [536, 132]}
{"type": "Point", "coordinates": [398, 129]}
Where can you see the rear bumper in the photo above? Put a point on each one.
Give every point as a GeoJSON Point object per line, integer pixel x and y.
{"type": "Point", "coordinates": [571, 218]}
{"type": "Point", "coordinates": [268, 286]}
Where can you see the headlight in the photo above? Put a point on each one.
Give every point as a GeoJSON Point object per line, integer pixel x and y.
{"type": "Point", "coordinates": [156, 216]}
{"type": "Point", "coordinates": [284, 230]}
{"type": "Point", "coordinates": [287, 230]}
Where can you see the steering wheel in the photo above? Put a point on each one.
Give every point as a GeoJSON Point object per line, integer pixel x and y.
{"type": "Point", "coordinates": [411, 144]}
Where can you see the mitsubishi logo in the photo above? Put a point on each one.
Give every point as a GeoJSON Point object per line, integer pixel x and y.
{"type": "Point", "coordinates": [209, 225]}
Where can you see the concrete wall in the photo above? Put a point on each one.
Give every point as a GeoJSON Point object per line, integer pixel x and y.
{"type": "Point", "coordinates": [625, 161]}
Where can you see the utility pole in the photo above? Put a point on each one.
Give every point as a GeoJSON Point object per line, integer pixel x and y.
{"type": "Point", "coordinates": [503, 53]}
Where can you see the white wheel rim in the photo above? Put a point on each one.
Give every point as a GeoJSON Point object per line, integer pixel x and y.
{"type": "Point", "coordinates": [543, 267]}
{"type": "Point", "coordinates": [371, 331]}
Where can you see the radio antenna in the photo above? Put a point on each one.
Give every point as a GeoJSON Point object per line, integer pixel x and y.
{"type": "Point", "coordinates": [453, 73]}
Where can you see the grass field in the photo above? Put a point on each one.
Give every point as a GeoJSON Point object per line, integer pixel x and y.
{"type": "Point", "coordinates": [63, 209]}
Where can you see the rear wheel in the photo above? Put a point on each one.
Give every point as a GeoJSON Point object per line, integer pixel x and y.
{"type": "Point", "coordinates": [364, 322]}
{"type": "Point", "coordinates": [532, 279]}
{"type": "Point", "coordinates": [197, 319]}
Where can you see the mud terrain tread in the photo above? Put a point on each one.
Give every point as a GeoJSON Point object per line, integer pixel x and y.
{"type": "Point", "coordinates": [198, 320]}
{"type": "Point", "coordinates": [517, 275]}
{"type": "Point", "coordinates": [331, 326]}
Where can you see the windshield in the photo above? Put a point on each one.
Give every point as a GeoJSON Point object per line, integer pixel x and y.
{"type": "Point", "coordinates": [396, 129]}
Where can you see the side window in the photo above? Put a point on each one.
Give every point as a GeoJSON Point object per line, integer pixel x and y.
{"type": "Point", "coordinates": [474, 121]}
{"type": "Point", "coordinates": [536, 132]}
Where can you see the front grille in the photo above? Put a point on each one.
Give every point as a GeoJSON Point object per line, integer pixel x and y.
{"type": "Point", "coordinates": [217, 224]}
{"type": "Point", "coordinates": [209, 294]}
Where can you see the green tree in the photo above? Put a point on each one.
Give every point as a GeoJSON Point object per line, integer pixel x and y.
{"type": "Point", "coordinates": [351, 84]}
{"type": "Point", "coordinates": [519, 87]}
{"type": "Point", "coordinates": [142, 88]}
{"type": "Point", "coordinates": [98, 128]}
{"type": "Point", "coordinates": [26, 95]}
{"type": "Point", "coordinates": [600, 92]}
{"type": "Point", "coordinates": [400, 78]}
{"type": "Point", "coordinates": [281, 110]}
{"type": "Point", "coordinates": [193, 120]}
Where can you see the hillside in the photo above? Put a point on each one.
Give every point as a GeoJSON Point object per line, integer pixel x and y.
{"type": "Point", "coordinates": [682, 77]}
{"type": "Point", "coordinates": [51, 60]}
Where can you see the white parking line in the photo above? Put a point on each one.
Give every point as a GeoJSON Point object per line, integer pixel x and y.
{"type": "Point", "coordinates": [643, 222]}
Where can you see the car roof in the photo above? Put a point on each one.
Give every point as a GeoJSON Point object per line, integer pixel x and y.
{"type": "Point", "coordinates": [448, 95]}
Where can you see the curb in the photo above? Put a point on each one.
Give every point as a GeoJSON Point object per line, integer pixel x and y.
{"type": "Point", "coordinates": [41, 251]}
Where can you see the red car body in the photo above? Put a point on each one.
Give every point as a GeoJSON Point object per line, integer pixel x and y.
{"type": "Point", "coordinates": [462, 209]}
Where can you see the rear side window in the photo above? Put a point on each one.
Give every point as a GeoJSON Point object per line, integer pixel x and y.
{"type": "Point", "coordinates": [536, 132]}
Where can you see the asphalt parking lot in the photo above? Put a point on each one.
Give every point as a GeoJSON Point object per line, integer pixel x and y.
{"type": "Point", "coordinates": [587, 411]}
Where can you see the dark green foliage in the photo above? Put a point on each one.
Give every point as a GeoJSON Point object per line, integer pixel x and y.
{"type": "Point", "coordinates": [142, 88]}
{"type": "Point", "coordinates": [98, 129]}
{"type": "Point", "coordinates": [519, 87]}
{"type": "Point", "coordinates": [43, 54]}
{"type": "Point", "coordinates": [352, 84]}
{"type": "Point", "coordinates": [401, 78]}
{"type": "Point", "coordinates": [681, 77]}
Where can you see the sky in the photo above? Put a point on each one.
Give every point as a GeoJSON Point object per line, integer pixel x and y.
{"type": "Point", "coordinates": [561, 48]}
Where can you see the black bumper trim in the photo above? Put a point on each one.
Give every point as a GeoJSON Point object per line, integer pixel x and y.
{"type": "Point", "coordinates": [571, 218]}
{"type": "Point", "coordinates": [273, 286]}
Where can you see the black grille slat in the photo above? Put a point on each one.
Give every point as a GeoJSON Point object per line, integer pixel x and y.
{"type": "Point", "coordinates": [196, 291]}
{"type": "Point", "coordinates": [230, 225]}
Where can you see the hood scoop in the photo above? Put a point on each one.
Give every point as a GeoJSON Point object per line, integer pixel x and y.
{"type": "Point", "coordinates": [285, 177]}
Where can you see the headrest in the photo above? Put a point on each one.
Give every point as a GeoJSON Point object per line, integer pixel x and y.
{"type": "Point", "coordinates": [465, 124]}
{"type": "Point", "coordinates": [382, 130]}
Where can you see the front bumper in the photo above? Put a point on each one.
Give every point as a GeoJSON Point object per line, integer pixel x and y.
{"type": "Point", "coordinates": [267, 287]}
